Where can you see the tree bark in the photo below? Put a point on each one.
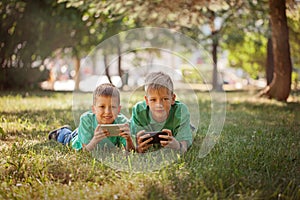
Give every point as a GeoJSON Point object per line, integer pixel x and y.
{"type": "Point", "coordinates": [280, 86]}
{"type": "Point", "coordinates": [77, 72]}
{"type": "Point", "coordinates": [216, 85]}
{"type": "Point", "coordinates": [120, 71]}
{"type": "Point", "coordinates": [215, 61]}
{"type": "Point", "coordinates": [106, 67]}
{"type": "Point", "coordinates": [270, 62]}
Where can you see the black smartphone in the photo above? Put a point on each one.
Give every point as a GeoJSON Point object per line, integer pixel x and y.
{"type": "Point", "coordinates": [155, 136]}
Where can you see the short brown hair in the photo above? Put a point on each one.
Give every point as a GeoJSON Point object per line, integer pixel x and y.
{"type": "Point", "coordinates": [106, 89]}
{"type": "Point", "coordinates": [158, 80]}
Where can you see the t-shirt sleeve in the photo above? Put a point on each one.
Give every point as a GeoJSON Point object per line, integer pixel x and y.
{"type": "Point", "coordinates": [122, 142]}
{"type": "Point", "coordinates": [135, 124]}
{"type": "Point", "coordinates": [138, 120]}
{"type": "Point", "coordinates": [121, 119]}
{"type": "Point", "coordinates": [85, 129]}
{"type": "Point", "coordinates": [183, 130]}
{"type": "Point", "coordinates": [75, 142]}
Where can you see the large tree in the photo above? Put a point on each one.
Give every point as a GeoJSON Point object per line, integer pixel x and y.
{"type": "Point", "coordinates": [30, 31]}
{"type": "Point", "coordinates": [280, 86]}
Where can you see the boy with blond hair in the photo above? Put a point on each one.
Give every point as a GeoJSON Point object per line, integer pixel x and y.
{"type": "Point", "coordinates": [161, 112]}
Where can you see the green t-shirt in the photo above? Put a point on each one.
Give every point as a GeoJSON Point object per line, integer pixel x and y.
{"type": "Point", "coordinates": [87, 125]}
{"type": "Point", "coordinates": [178, 121]}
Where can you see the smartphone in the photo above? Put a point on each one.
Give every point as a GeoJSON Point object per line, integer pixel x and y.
{"type": "Point", "coordinates": [113, 129]}
{"type": "Point", "coordinates": [155, 136]}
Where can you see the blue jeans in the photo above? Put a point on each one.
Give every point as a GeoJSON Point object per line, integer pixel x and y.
{"type": "Point", "coordinates": [65, 135]}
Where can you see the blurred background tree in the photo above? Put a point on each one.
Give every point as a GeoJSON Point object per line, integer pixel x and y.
{"type": "Point", "coordinates": [32, 30]}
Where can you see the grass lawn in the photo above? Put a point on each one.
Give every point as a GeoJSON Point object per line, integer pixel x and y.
{"type": "Point", "coordinates": [257, 155]}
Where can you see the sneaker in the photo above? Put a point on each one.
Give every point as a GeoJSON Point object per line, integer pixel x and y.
{"type": "Point", "coordinates": [54, 134]}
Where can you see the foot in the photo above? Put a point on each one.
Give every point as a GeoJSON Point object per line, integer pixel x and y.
{"type": "Point", "coordinates": [54, 134]}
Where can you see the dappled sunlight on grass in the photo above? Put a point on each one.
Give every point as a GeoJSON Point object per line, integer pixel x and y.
{"type": "Point", "coordinates": [256, 157]}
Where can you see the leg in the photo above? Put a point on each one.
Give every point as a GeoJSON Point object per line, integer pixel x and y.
{"type": "Point", "coordinates": [68, 136]}
{"type": "Point", "coordinates": [54, 134]}
{"type": "Point", "coordinates": [64, 136]}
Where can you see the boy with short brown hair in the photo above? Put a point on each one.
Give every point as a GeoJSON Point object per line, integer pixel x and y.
{"type": "Point", "coordinates": [89, 134]}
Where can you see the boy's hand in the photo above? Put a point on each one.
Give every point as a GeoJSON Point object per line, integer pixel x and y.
{"type": "Point", "coordinates": [125, 132]}
{"type": "Point", "coordinates": [171, 141]}
{"type": "Point", "coordinates": [143, 146]}
{"type": "Point", "coordinates": [100, 134]}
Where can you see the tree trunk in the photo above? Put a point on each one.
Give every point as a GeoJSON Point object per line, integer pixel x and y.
{"type": "Point", "coordinates": [106, 67]}
{"type": "Point", "coordinates": [270, 62]}
{"type": "Point", "coordinates": [215, 43]}
{"type": "Point", "coordinates": [120, 71]}
{"type": "Point", "coordinates": [216, 86]}
{"type": "Point", "coordinates": [280, 86]}
{"type": "Point", "coordinates": [77, 72]}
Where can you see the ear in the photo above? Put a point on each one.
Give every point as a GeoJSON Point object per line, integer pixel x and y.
{"type": "Point", "coordinates": [146, 99]}
{"type": "Point", "coordinates": [119, 109]}
{"type": "Point", "coordinates": [173, 99]}
{"type": "Point", "coordinates": [93, 109]}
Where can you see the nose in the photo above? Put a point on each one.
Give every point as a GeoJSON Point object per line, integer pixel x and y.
{"type": "Point", "coordinates": [159, 102]}
{"type": "Point", "coordinates": [107, 110]}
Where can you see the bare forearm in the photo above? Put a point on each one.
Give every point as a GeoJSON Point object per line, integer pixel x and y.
{"type": "Point", "coordinates": [90, 146]}
{"type": "Point", "coordinates": [183, 146]}
{"type": "Point", "coordinates": [129, 145]}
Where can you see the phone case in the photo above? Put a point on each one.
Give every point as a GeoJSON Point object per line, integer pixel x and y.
{"type": "Point", "coordinates": [155, 136]}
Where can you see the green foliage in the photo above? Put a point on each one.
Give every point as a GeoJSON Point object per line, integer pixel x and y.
{"type": "Point", "coordinates": [246, 39]}
{"type": "Point", "coordinates": [33, 29]}
{"type": "Point", "coordinates": [191, 75]}
{"type": "Point", "coordinates": [53, 25]}
{"type": "Point", "coordinates": [256, 157]}
{"type": "Point", "coordinates": [247, 52]}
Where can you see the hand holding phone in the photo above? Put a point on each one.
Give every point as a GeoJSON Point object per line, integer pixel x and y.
{"type": "Point", "coordinates": [155, 135]}
{"type": "Point", "coordinates": [113, 129]}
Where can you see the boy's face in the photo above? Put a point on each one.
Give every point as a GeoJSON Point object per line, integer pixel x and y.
{"type": "Point", "coordinates": [106, 109]}
{"type": "Point", "coordinates": [160, 102]}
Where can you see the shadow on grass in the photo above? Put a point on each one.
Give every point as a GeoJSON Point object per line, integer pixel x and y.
{"type": "Point", "coordinates": [153, 191]}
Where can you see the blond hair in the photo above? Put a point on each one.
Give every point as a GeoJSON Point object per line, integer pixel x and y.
{"type": "Point", "coordinates": [158, 80]}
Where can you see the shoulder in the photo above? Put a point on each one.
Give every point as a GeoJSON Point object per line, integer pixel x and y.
{"type": "Point", "coordinates": [121, 119]}
{"type": "Point", "coordinates": [140, 113]}
{"type": "Point", "coordinates": [180, 106]}
{"type": "Point", "coordinates": [140, 106]}
{"type": "Point", "coordinates": [87, 115]}
{"type": "Point", "coordinates": [180, 109]}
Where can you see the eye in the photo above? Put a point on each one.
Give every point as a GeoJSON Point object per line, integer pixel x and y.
{"type": "Point", "coordinates": [166, 99]}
